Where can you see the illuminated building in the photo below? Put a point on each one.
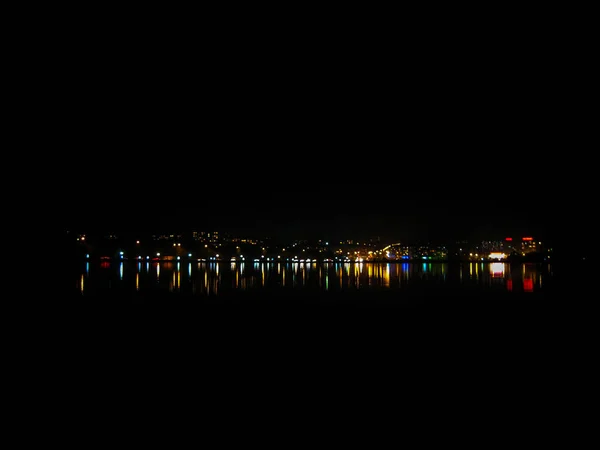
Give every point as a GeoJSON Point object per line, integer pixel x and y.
{"type": "Point", "coordinates": [529, 245]}
{"type": "Point", "coordinates": [509, 245]}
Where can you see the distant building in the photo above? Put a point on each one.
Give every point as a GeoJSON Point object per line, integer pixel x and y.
{"type": "Point", "coordinates": [526, 245]}
{"type": "Point", "coordinates": [206, 237]}
{"type": "Point", "coordinates": [529, 245]}
{"type": "Point", "coordinates": [199, 236]}
{"type": "Point", "coordinates": [493, 246]}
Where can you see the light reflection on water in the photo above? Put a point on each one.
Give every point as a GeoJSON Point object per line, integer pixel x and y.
{"type": "Point", "coordinates": [212, 278]}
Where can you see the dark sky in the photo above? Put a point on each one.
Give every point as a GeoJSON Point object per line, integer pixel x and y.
{"type": "Point", "coordinates": [310, 206]}
{"type": "Point", "coordinates": [441, 143]}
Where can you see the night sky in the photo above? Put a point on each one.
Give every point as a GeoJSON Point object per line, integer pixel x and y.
{"type": "Point", "coordinates": [440, 145]}
{"type": "Point", "coordinates": [411, 209]}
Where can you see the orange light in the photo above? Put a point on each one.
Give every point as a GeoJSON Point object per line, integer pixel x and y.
{"type": "Point", "coordinates": [528, 239]}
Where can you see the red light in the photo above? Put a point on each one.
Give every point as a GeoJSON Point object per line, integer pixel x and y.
{"type": "Point", "coordinates": [528, 285]}
{"type": "Point", "coordinates": [509, 239]}
{"type": "Point", "coordinates": [528, 239]}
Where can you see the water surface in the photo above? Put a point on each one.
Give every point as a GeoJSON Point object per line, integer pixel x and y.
{"type": "Point", "coordinates": [215, 279]}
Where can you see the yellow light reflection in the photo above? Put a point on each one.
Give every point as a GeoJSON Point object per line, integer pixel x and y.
{"type": "Point", "coordinates": [386, 275]}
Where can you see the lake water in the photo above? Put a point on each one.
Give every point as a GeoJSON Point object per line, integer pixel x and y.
{"type": "Point", "coordinates": [483, 309]}
{"type": "Point", "coordinates": [220, 280]}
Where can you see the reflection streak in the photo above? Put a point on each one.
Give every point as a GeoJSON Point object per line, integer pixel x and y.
{"type": "Point", "coordinates": [363, 276]}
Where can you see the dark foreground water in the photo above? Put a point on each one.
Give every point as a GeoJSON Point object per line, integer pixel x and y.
{"type": "Point", "coordinates": [481, 338]}
{"type": "Point", "coordinates": [296, 296]}
{"type": "Point", "coordinates": [505, 327]}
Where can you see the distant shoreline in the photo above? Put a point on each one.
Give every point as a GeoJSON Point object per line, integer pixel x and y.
{"type": "Point", "coordinates": [310, 261]}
